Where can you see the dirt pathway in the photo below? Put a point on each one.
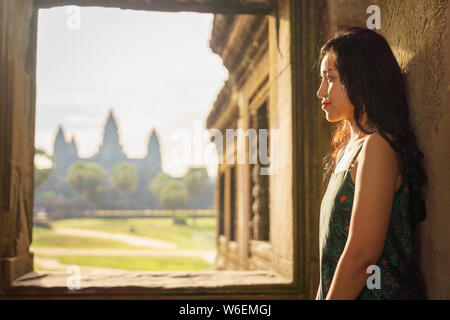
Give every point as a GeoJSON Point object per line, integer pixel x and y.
{"type": "Point", "coordinates": [125, 238]}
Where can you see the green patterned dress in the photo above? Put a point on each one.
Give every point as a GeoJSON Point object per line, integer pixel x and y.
{"type": "Point", "coordinates": [400, 275]}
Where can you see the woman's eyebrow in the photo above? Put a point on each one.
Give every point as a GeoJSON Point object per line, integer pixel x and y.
{"type": "Point", "coordinates": [327, 70]}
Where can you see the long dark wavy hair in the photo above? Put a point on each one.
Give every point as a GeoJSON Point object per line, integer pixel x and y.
{"type": "Point", "coordinates": [377, 88]}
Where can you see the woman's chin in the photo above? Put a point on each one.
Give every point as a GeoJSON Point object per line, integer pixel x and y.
{"type": "Point", "coordinates": [330, 117]}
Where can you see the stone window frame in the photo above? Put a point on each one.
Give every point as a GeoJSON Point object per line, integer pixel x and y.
{"type": "Point", "coordinates": [299, 286]}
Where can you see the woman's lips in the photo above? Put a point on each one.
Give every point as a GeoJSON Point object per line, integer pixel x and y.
{"type": "Point", "coordinates": [325, 105]}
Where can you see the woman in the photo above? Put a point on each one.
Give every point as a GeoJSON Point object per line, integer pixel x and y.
{"type": "Point", "coordinates": [373, 201]}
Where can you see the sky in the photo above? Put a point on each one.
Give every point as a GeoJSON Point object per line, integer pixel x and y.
{"type": "Point", "coordinates": [155, 70]}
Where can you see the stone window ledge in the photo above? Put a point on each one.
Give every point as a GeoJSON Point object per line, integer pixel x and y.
{"type": "Point", "coordinates": [156, 285]}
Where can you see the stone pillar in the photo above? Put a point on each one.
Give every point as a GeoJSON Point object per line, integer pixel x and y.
{"type": "Point", "coordinates": [311, 137]}
{"type": "Point", "coordinates": [18, 36]}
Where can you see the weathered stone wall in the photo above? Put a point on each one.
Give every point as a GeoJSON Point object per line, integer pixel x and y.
{"type": "Point", "coordinates": [17, 99]}
{"type": "Point", "coordinates": [347, 13]}
{"type": "Point", "coordinates": [418, 33]}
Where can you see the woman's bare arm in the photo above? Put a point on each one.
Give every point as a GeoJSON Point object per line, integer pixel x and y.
{"type": "Point", "coordinates": [375, 185]}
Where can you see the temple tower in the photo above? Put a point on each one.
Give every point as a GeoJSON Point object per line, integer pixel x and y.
{"type": "Point", "coordinates": [110, 151]}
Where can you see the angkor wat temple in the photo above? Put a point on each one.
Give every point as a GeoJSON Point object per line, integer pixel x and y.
{"type": "Point", "coordinates": [109, 154]}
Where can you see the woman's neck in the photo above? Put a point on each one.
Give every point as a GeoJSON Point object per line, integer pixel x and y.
{"type": "Point", "coordinates": [356, 134]}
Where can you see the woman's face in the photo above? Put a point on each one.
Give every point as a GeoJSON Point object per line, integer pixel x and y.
{"type": "Point", "coordinates": [335, 101]}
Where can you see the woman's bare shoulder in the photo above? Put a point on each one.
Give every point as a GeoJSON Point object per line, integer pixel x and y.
{"type": "Point", "coordinates": [378, 152]}
{"type": "Point", "coordinates": [377, 142]}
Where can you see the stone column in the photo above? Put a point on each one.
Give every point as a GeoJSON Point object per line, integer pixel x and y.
{"type": "Point", "coordinates": [311, 135]}
{"type": "Point", "coordinates": [18, 37]}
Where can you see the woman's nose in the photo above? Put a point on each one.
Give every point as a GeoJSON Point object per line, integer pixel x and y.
{"type": "Point", "coordinates": [318, 94]}
{"type": "Point", "coordinates": [321, 93]}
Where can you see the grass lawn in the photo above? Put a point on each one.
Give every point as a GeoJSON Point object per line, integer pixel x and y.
{"type": "Point", "coordinates": [198, 234]}
{"type": "Point", "coordinates": [47, 238]}
{"type": "Point", "coordinates": [138, 263]}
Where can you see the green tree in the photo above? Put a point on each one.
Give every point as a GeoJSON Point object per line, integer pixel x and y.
{"type": "Point", "coordinates": [195, 180]}
{"type": "Point", "coordinates": [125, 177]}
{"type": "Point", "coordinates": [158, 183]}
{"type": "Point", "coordinates": [87, 179]}
{"type": "Point", "coordinates": [41, 175]}
{"type": "Point", "coordinates": [171, 194]}
{"type": "Point", "coordinates": [174, 195]}
{"type": "Point", "coordinates": [48, 195]}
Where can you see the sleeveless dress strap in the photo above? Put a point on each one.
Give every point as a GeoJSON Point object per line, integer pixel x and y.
{"type": "Point", "coordinates": [356, 155]}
